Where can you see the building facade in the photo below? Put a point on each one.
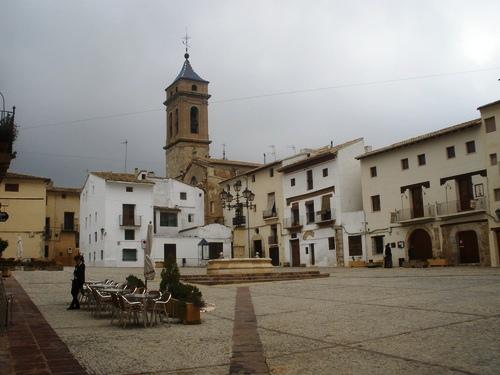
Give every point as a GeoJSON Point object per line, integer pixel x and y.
{"type": "Point", "coordinates": [116, 209]}
{"type": "Point", "coordinates": [24, 197]}
{"type": "Point", "coordinates": [62, 236]}
{"type": "Point", "coordinates": [262, 229]}
{"type": "Point", "coordinates": [433, 196]}
{"type": "Point", "coordinates": [323, 218]}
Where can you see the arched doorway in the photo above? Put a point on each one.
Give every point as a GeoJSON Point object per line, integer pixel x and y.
{"type": "Point", "coordinates": [420, 245]}
{"type": "Point", "coordinates": [467, 247]}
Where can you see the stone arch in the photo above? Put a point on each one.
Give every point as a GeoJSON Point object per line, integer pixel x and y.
{"type": "Point", "coordinates": [419, 244]}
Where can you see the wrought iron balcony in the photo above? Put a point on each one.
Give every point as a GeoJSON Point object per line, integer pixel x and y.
{"type": "Point", "coordinates": [324, 217]}
{"type": "Point", "coordinates": [268, 214]}
{"type": "Point", "coordinates": [69, 227]}
{"type": "Point", "coordinates": [457, 207]}
{"type": "Point", "coordinates": [130, 221]}
{"type": "Point", "coordinates": [239, 220]}
{"type": "Point", "coordinates": [294, 222]}
{"type": "Point", "coordinates": [272, 240]}
{"type": "Point", "coordinates": [412, 214]}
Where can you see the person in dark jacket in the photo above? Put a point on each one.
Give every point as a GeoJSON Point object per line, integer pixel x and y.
{"type": "Point", "coordinates": [77, 283]}
{"type": "Point", "coordinates": [388, 256]}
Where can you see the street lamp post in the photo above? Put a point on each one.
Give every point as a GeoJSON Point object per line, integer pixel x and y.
{"type": "Point", "coordinates": [241, 200]}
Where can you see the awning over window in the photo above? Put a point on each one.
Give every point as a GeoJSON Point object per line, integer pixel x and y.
{"type": "Point", "coordinates": [271, 202]}
{"type": "Point", "coordinates": [325, 202]}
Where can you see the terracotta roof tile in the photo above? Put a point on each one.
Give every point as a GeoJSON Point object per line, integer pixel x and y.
{"type": "Point", "coordinates": [423, 137]}
{"type": "Point", "coordinates": [121, 177]}
{"type": "Point", "coordinates": [21, 176]}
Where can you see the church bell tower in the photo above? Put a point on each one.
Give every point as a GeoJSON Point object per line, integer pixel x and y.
{"type": "Point", "coordinates": [187, 120]}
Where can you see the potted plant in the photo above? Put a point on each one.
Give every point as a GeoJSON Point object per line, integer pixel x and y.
{"type": "Point", "coordinates": [186, 299]}
{"type": "Point", "coordinates": [134, 281]}
{"type": "Point", "coordinates": [3, 246]}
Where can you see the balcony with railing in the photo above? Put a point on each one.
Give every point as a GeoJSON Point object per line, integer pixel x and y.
{"type": "Point", "coordinates": [458, 208]}
{"type": "Point", "coordinates": [69, 227]}
{"type": "Point", "coordinates": [272, 240]}
{"type": "Point", "coordinates": [269, 214]}
{"type": "Point", "coordinates": [412, 215]}
{"type": "Point", "coordinates": [239, 220]}
{"type": "Point", "coordinates": [325, 217]}
{"type": "Point", "coordinates": [130, 221]}
{"type": "Point", "coordinates": [294, 223]}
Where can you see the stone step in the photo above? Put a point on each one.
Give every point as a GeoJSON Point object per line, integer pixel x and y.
{"type": "Point", "coordinates": [250, 278]}
{"type": "Point", "coordinates": [240, 275]}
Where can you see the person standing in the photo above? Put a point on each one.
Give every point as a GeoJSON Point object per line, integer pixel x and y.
{"type": "Point", "coordinates": [78, 281]}
{"type": "Point", "coordinates": [387, 256]}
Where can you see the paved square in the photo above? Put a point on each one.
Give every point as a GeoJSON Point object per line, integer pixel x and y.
{"type": "Point", "coordinates": [357, 321]}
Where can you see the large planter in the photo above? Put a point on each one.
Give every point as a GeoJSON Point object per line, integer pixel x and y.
{"type": "Point", "coordinates": [187, 312]}
{"type": "Point", "coordinates": [357, 263]}
{"type": "Point", "coordinates": [6, 272]}
{"type": "Point", "coordinates": [439, 262]}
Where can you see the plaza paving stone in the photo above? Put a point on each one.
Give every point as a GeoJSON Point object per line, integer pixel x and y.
{"type": "Point", "coordinates": [357, 321]}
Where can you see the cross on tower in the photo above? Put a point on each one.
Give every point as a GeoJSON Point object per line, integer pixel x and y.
{"type": "Point", "coordinates": [185, 42]}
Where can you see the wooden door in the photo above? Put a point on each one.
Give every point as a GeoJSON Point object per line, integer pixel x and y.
{"type": "Point", "coordinates": [128, 211]}
{"type": "Point", "coordinates": [465, 192]}
{"type": "Point", "coordinates": [169, 250]}
{"type": "Point", "coordinates": [417, 202]}
{"type": "Point", "coordinates": [313, 258]}
{"type": "Point", "coordinates": [420, 245]}
{"type": "Point", "coordinates": [274, 254]}
{"type": "Point", "coordinates": [467, 246]}
{"type": "Point", "coordinates": [355, 246]}
{"type": "Point", "coordinates": [295, 251]}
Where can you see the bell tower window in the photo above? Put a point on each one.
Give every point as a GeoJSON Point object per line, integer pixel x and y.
{"type": "Point", "coordinates": [194, 88]}
{"type": "Point", "coordinates": [176, 121]}
{"type": "Point", "coordinates": [170, 124]}
{"type": "Point", "coordinates": [194, 120]}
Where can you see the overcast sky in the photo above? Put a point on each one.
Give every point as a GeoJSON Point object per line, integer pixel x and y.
{"type": "Point", "coordinates": [64, 61]}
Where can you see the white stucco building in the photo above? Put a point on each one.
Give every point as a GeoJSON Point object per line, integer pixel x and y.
{"type": "Point", "coordinates": [436, 195]}
{"type": "Point", "coordinates": [116, 208]}
{"type": "Point", "coordinates": [323, 218]}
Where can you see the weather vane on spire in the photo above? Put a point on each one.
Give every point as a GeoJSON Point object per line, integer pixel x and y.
{"type": "Point", "coordinates": [185, 42]}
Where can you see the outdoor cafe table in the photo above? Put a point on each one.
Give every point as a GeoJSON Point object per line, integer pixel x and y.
{"type": "Point", "coordinates": [112, 290]}
{"type": "Point", "coordinates": [139, 296]}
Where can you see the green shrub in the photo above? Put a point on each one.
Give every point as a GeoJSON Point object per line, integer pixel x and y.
{"type": "Point", "coordinates": [170, 275]}
{"type": "Point", "coordinates": [170, 281]}
{"type": "Point", "coordinates": [187, 293]}
{"type": "Point", "coordinates": [134, 281]}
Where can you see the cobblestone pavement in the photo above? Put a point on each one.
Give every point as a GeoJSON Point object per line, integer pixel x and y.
{"type": "Point", "coordinates": [357, 321]}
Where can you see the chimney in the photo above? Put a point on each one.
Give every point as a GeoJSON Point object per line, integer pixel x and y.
{"type": "Point", "coordinates": [368, 148]}
{"type": "Point", "coordinates": [151, 174]}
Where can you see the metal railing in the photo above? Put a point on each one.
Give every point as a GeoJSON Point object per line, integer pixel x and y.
{"type": "Point", "coordinates": [324, 215]}
{"type": "Point", "coordinates": [272, 240]}
{"type": "Point", "coordinates": [292, 222]}
{"type": "Point", "coordinates": [453, 207]}
{"type": "Point", "coordinates": [128, 221]}
{"type": "Point", "coordinates": [404, 214]}
{"type": "Point", "coordinates": [239, 220]}
{"type": "Point", "coordinates": [267, 214]}
{"type": "Point", "coordinates": [69, 227]}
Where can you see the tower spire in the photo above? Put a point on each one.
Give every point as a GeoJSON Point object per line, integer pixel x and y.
{"type": "Point", "coordinates": [185, 42]}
